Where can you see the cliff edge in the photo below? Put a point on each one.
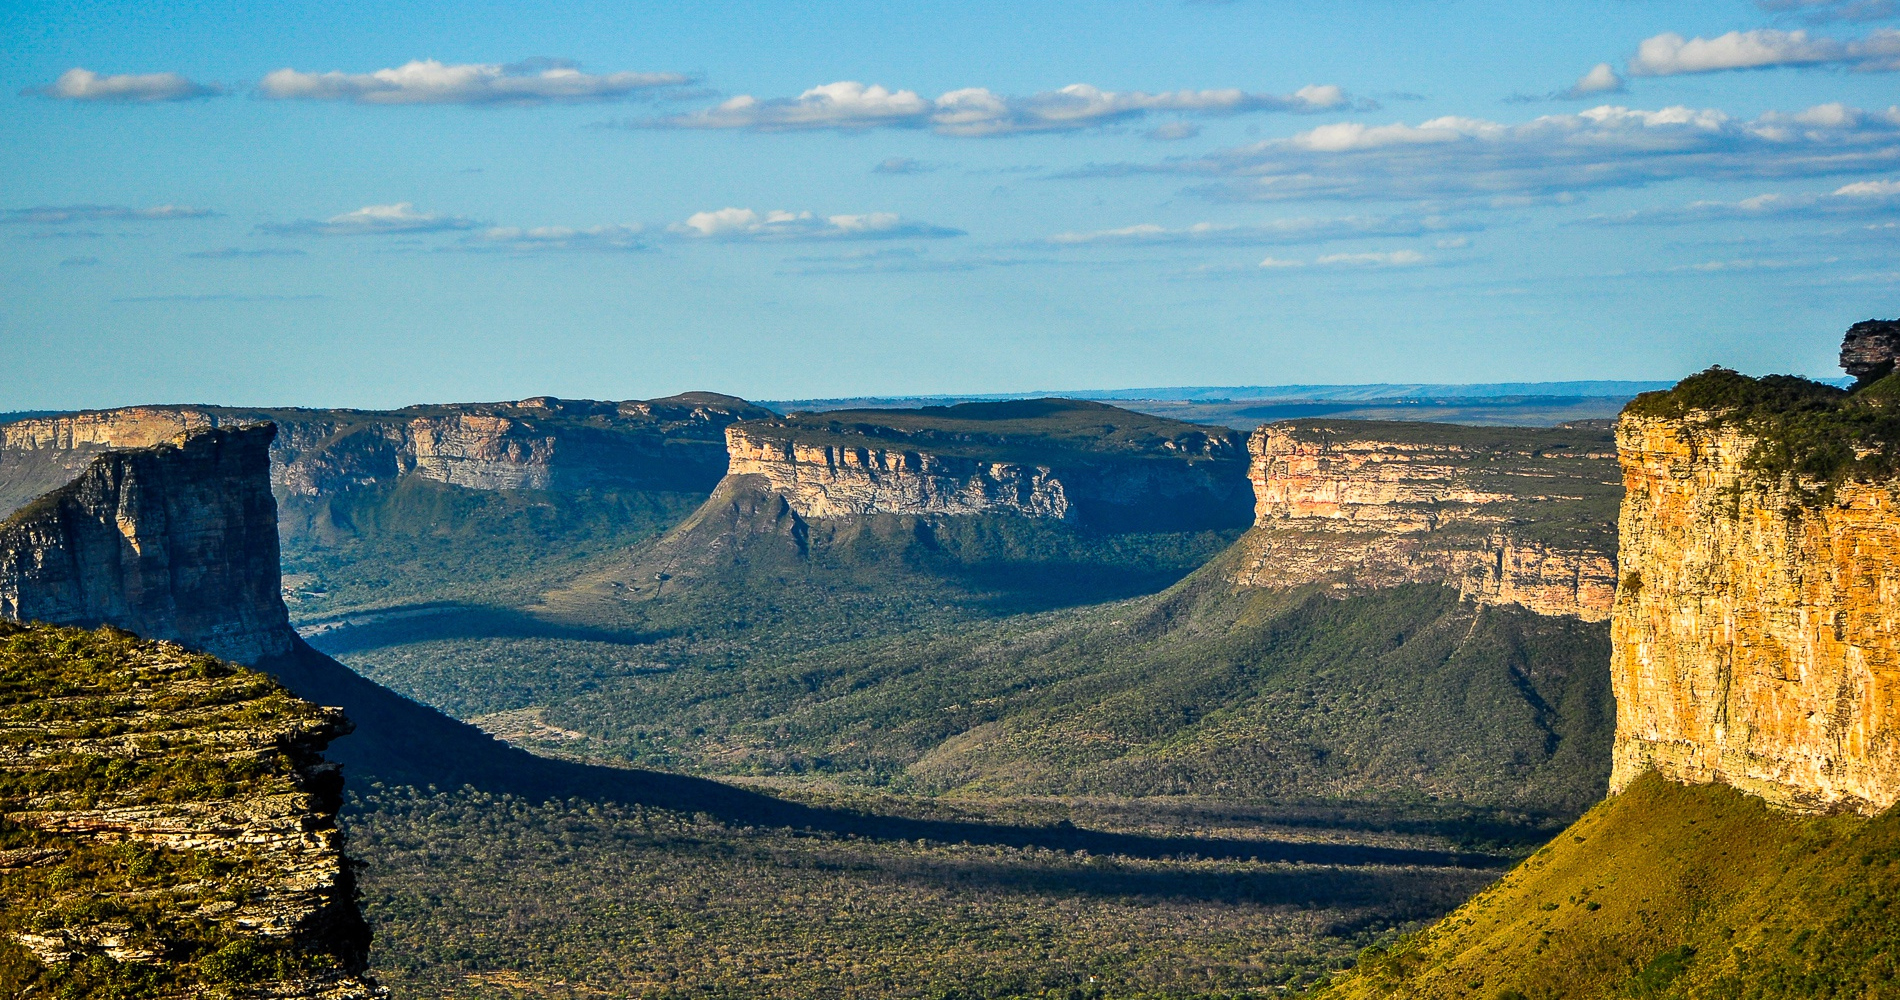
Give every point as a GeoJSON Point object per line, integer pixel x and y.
{"type": "Point", "coordinates": [175, 541]}
{"type": "Point", "coordinates": [1756, 639]}
{"type": "Point", "coordinates": [1503, 515]}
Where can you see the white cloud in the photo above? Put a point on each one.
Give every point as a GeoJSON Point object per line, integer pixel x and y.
{"type": "Point", "coordinates": [903, 165]}
{"type": "Point", "coordinates": [1395, 258]}
{"type": "Point", "coordinates": [1172, 132]}
{"type": "Point", "coordinates": [1454, 243]}
{"type": "Point", "coordinates": [80, 84]}
{"type": "Point", "coordinates": [1602, 79]}
{"type": "Point", "coordinates": [54, 215]}
{"type": "Point", "coordinates": [371, 220]}
{"type": "Point", "coordinates": [1861, 198]}
{"type": "Point", "coordinates": [1549, 157]}
{"type": "Point", "coordinates": [1279, 232]}
{"type": "Point", "coordinates": [514, 239]}
{"type": "Point", "coordinates": [1670, 54]}
{"type": "Point", "coordinates": [977, 111]}
{"type": "Point", "coordinates": [746, 224]}
{"type": "Point", "coordinates": [1277, 262]}
{"type": "Point", "coordinates": [426, 81]}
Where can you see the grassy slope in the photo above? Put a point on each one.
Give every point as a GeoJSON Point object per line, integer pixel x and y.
{"type": "Point", "coordinates": [1668, 891]}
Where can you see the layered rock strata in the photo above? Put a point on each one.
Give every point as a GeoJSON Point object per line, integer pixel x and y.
{"type": "Point", "coordinates": [539, 443]}
{"type": "Point", "coordinates": [1060, 460]}
{"type": "Point", "coordinates": [174, 813]}
{"type": "Point", "coordinates": [1870, 349]}
{"type": "Point", "coordinates": [1756, 639]}
{"type": "Point", "coordinates": [174, 541]}
{"type": "Point", "coordinates": [1504, 516]}
{"type": "Point", "coordinates": [842, 481]}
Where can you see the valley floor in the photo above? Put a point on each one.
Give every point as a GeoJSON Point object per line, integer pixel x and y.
{"type": "Point", "coordinates": [479, 895]}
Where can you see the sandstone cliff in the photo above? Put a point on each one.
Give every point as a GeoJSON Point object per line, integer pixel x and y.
{"type": "Point", "coordinates": [1063, 460]}
{"type": "Point", "coordinates": [539, 443]}
{"type": "Point", "coordinates": [172, 813]}
{"type": "Point", "coordinates": [174, 541]}
{"type": "Point", "coordinates": [1756, 638]}
{"type": "Point", "coordinates": [1504, 515]}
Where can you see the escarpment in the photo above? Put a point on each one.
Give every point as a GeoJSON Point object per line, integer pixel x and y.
{"type": "Point", "coordinates": [172, 814]}
{"type": "Point", "coordinates": [541, 443]}
{"type": "Point", "coordinates": [1757, 636]}
{"type": "Point", "coordinates": [1063, 460]}
{"type": "Point", "coordinates": [174, 541]}
{"type": "Point", "coordinates": [1503, 515]}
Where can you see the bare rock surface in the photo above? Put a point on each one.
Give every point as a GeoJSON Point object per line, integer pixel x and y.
{"type": "Point", "coordinates": [1505, 515]}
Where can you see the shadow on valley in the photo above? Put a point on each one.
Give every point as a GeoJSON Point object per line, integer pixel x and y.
{"type": "Point", "coordinates": [435, 622]}
{"type": "Point", "coordinates": [401, 742]}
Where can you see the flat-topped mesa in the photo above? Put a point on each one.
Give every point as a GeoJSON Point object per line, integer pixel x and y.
{"type": "Point", "coordinates": [1504, 515]}
{"type": "Point", "coordinates": [1756, 639]}
{"type": "Point", "coordinates": [1061, 460]}
{"type": "Point", "coordinates": [540, 443]}
{"type": "Point", "coordinates": [176, 541]}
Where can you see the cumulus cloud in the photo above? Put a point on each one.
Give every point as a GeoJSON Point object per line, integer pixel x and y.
{"type": "Point", "coordinates": [977, 111]}
{"type": "Point", "coordinates": [1549, 157]}
{"type": "Point", "coordinates": [54, 215]}
{"type": "Point", "coordinates": [426, 81]}
{"type": "Point", "coordinates": [371, 220]}
{"type": "Point", "coordinates": [1602, 79]}
{"type": "Point", "coordinates": [1880, 197]}
{"type": "Point", "coordinates": [598, 239]}
{"type": "Point", "coordinates": [746, 224]}
{"type": "Point", "coordinates": [81, 84]}
{"type": "Point", "coordinates": [1280, 232]}
{"type": "Point", "coordinates": [1670, 54]}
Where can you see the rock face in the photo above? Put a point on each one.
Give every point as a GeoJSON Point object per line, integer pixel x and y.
{"type": "Point", "coordinates": [540, 443]}
{"type": "Point", "coordinates": [174, 541]}
{"type": "Point", "coordinates": [1505, 516]}
{"type": "Point", "coordinates": [171, 812]}
{"type": "Point", "coordinates": [1870, 349]}
{"type": "Point", "coordinates": [1060, 460]}
{"type": "Point", "coordinates": [1756, 637]}
{"type": "Point", "coordinates": [842, 481]}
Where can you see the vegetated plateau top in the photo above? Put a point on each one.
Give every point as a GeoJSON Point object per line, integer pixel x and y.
{"type": "Point", "coordinates": [1029, 431]}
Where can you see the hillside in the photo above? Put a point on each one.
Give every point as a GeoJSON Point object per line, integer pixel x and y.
{"type": "Point", "coordinates": [169, 827]}
{"type": "Point", "coordinates": [1671, 891]}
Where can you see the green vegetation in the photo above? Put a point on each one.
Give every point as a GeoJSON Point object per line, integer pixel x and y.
{"type": "Point", "coordinates": [1667, 891]}
{"type": "Point", "coordinates": [1811, 435]}
{"type": "Point", "coordinates": [147, 725]}
{"type": "Point", "coordinates": [1029, 431]}
{"type": "Point", "coordinates": [482, 896]}
{"type": "Point", "coordinates": [420, 540]}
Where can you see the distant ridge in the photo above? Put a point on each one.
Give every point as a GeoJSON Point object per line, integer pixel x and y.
{"type": "Point", "coordinates": [1316, 393]}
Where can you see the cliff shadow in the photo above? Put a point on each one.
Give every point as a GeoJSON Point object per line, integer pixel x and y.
{"type": "Point", "coordinates": [404, 625]}
{"type": "Point", "coordinates": [402, 742]}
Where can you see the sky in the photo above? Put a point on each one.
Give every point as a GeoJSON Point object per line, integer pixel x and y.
{"type": "Point", "coordinates": [356, 204]}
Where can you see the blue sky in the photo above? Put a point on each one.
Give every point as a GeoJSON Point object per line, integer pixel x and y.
{"type": "Point", "coordinates": [379, 204]}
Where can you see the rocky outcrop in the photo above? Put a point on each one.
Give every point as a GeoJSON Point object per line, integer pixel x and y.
{"type": "Point", "coordinates": [539, 443]}
{"type": "Point", "coordinates": [1505, 516]}
{"type": "Point", "coordinates": [1870, 349]}
{"type": "Point", "coordinates": [173, 813]}
{"type": "Point", "coordinates": [843, 481]}
{"type": "Point", "coordinates": [1060, 460]}
{"type": "Point", "coordinates": [1756, 639]}
{"type": "Point", "coordinates": [174, 541]}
